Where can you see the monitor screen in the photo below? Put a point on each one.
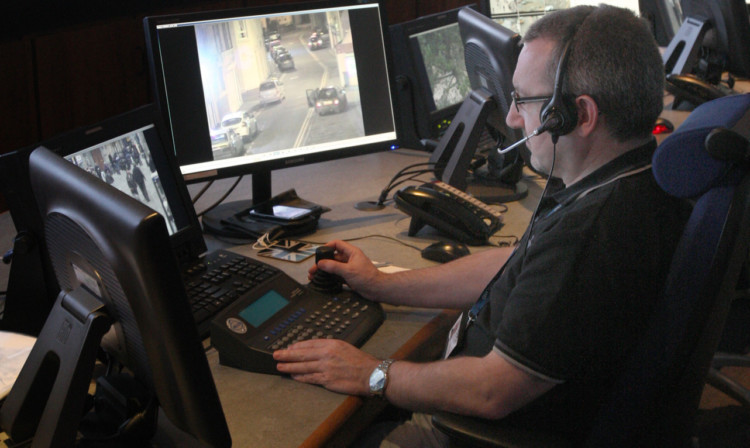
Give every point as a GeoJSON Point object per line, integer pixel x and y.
{"type": "Point", "coordinates": [128, 151]}
{"type": "Point", "coordinates": [250, 90]}
{"type": "Point", "coordinates": [430, 85]}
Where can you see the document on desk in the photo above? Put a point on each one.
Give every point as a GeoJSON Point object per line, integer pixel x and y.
{"type": "Point", "coordinates": [14, 349]}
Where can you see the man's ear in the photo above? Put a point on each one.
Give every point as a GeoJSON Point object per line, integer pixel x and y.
{"type": "Point", "coordinates": [588, 114]}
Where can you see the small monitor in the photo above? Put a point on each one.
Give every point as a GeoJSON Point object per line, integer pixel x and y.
{"type": "Point", "coordinates": [714, 38]}
{"type": "Point", "coordinates": [246, 91]}
{"type": "Point", "coordinates": [491, 52]}
{"type": "Point", "coordinates": [663, 16]}
{"type": "Point", "coordinates": [430, 84]}
{"type": "Point", "coordinates": [113, 260]}
{"type": "Point", "coordinates": [519, 16]}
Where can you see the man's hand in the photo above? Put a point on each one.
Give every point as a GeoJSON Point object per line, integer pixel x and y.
{"type": "Point", "coordinates": [331, 363]}
{"type": "Point", "coordinates": [353, 266]}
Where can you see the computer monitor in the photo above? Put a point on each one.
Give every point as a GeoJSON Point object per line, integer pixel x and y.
{"type": "Point", "coordinates": [209, 66]}
{"type": "Point", "coordinates": [430, 85]}
{"type": "Point", "coordinates": [491, 52]}
{"type": "Point", "coordinates": [713, 38]}
{"type": "Point", "coordinates": [114, 263]}
{"type": "Point", "coordinates": [112, 149]}
{"type": "Point", "coordinates": [663, 16]}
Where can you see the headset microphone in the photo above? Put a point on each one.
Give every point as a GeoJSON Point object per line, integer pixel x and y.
{"type": "Point", "coordinates": [536, 132]}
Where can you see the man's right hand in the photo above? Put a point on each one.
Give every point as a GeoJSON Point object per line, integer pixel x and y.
{"type": "Point", "coordinates": [353, 266]}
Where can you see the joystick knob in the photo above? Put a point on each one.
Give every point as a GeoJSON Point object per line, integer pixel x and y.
{"type": "Point", "coordinates": [324, 281]}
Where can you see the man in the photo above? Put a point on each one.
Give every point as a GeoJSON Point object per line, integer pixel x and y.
{"type": "Point", "coordinates": [547, 325]}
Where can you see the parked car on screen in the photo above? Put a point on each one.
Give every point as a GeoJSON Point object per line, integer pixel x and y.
{"type": "Point", "coordinates": [226, 143]}
{"type": "Point", "coordinates": [285, 62]}
{"type": "Point", "coordinates": [243, 123]}
{"type": "Point", "coordinates": [278, 51]}
{"type": "Point", "coordinates": [271, 91]}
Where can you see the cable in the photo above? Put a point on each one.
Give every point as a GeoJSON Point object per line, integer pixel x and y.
{"type": "Point", "coordinates": [544, 192]}
{"type": "Point", "coordinates": [203, 190]}
{"type": "Point", "coordinates": [403, 172]}
{"type": "Point", "coordinates": [221, 199]}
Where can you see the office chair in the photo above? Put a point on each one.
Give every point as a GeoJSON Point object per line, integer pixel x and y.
{"type": "Point", "coordinates": [656, 398]}
{"type": "Point", "coordinates": [734, 352]}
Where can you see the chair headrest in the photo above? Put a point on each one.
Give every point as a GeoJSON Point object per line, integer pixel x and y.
{"type": "Point", "coordinates": [683, 167]}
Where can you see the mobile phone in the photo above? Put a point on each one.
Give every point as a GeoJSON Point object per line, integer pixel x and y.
{"type": "Point", "coordinates": [283, 212]}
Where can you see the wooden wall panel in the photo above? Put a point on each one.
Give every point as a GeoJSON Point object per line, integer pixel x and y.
{"type": "Point", "coordinates": [91, 73]}
{"type": "Point", "coordinates": [64, 75]}
{"type": "Point", "coordinates": [18, 101]}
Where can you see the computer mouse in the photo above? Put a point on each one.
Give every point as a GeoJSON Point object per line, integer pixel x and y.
{"type": "Point", "coordinates": [445, 251]}
{"type": "Point", "coordinates": [662, 126]}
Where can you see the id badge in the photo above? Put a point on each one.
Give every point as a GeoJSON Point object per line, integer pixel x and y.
{"type": "Point", "coordinates": [456, 336]}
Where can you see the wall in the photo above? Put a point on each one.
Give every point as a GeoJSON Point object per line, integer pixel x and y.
{"type": "Point", "coordinates": [80, 63]}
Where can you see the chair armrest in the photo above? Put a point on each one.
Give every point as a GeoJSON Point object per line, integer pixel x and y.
{"type": "Point", "coordinates": [722, 359]}
{"type": "Point", "coordinates": [477, 432]}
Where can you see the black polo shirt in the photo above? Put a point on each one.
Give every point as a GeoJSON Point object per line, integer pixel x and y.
{"type": "Point", "coordinates": [572, 300]}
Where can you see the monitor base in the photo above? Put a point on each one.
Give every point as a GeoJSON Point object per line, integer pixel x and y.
{"type": "Point", "coordinates": [497, 192]}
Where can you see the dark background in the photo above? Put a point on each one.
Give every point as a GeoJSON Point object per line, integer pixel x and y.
{"type": "Point", "coordinates": [66, 64]}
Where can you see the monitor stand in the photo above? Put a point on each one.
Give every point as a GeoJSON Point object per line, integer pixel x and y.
{"type": "Point", "coordinates": [285, 213]}
{"type": "Point", "coordinates": [452, 158]}
{"type": "Point", "coordinates": [48, 399]}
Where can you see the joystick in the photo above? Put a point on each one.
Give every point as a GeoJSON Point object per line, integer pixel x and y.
{"type": "Point", "coordinates": [322, 281]}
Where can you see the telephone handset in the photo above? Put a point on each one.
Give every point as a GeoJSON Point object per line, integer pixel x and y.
{"type": "Point", "coordinates": [450, 211]}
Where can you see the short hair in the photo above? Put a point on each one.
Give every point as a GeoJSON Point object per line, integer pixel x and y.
{"type": "Point", "coordinates": [613, 58]}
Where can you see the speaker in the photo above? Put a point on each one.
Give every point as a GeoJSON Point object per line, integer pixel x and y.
{"type": "Point", "coordinates": [559, 115]}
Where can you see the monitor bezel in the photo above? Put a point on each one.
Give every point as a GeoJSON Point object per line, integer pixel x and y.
{"type": "Point", "coordinates": [188, 242]}
{"type": "Point", "coordinates": [261, 170]}
{"type": "Point", "coordinates": [419, 116]}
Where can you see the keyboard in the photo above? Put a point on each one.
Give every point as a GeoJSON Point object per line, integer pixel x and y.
{"type": "Point", "coordinates": [218, 280]}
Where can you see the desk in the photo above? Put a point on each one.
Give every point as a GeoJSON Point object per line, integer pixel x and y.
{"type": "Point", "coordinates": [271, 411]}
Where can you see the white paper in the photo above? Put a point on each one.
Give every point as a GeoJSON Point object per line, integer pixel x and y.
{"type": "Point", "coordinates": [14, 349]}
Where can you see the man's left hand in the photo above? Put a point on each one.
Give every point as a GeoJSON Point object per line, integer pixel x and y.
{"type": "Point", "coordinates": [331, 363]}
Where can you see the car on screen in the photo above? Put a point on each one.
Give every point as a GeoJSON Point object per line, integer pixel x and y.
{"type": "Point", "coordinates": [278, 51]}
{"type": "Point", "coordinates": [243, 123]}
{"type": "Point", "coordinates": [330, 100]}
{"type": "Point", "coordinates": [271, 91]}
{"type": "Point", "coordinates": [317, 41]}
{"type": "Point", "coordinates": [285, 62]}
{"type": "Point", "coordinates": [225, 143]}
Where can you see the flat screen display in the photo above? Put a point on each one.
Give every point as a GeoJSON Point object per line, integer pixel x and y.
{"type": "Point", "coordinates": [250, 90]}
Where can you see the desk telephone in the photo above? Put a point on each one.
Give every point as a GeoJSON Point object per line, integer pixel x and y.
{"type": "Point", "coordinates": [449, 210]}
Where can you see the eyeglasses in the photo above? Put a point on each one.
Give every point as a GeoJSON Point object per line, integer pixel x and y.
{"type": "Point", "coordinates": [528, 99]}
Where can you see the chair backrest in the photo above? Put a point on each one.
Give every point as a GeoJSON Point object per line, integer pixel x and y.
{"type": "Point", "coordinates": [658, 393]}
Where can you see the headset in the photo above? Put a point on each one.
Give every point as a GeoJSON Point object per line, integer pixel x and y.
{"type": "Point", "coordinates": [559, 115]}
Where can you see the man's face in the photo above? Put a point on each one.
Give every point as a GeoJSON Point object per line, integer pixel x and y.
{"type": "Point", "coordinates": [530, 80]}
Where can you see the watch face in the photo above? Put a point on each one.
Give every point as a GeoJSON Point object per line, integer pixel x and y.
{"type": "Point", "coordinates": [377, 380]}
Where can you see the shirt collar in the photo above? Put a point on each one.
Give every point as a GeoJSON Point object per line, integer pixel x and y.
{"type": "Point", "coordinates": [635, 158]}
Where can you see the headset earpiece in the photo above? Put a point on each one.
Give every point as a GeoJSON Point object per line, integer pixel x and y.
{"type": "Point", "coordinates": [559, 115]}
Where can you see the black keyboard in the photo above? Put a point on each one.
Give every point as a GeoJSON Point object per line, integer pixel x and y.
{"type": "Point", "coordinates": [220, 278]}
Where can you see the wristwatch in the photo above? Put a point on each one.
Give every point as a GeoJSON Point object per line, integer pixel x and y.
{"type": "Point", "coordinates": [379, 378]}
